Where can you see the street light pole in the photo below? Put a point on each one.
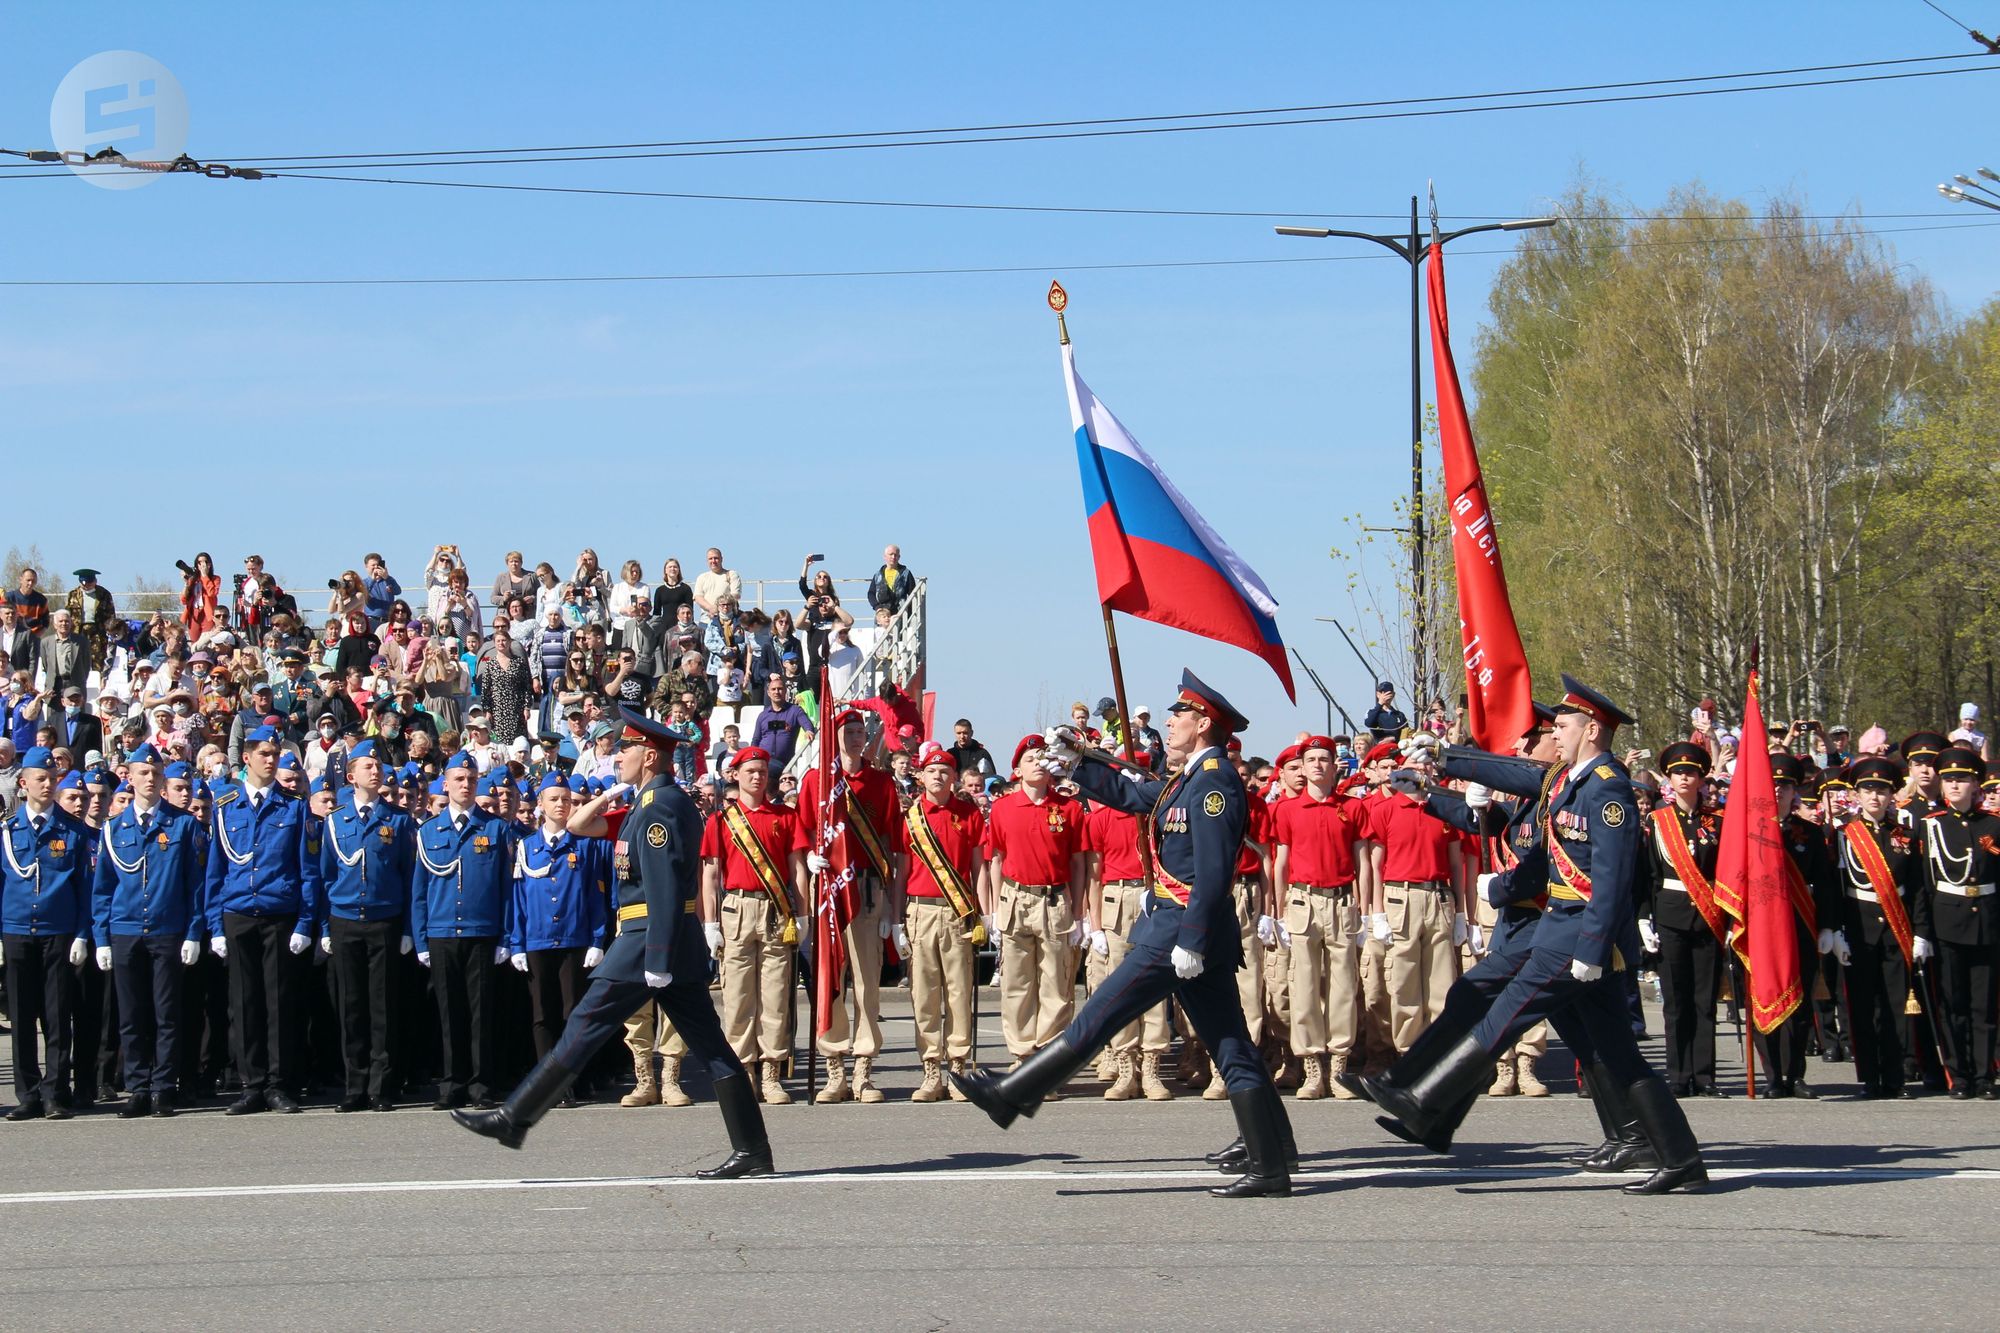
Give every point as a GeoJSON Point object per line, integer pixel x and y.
{"type": "Point", "coordinates": [1957, 193]}
{"type": "Point", "coordinates": [1411, 251]}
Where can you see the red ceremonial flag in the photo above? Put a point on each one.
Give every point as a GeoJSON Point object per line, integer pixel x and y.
{"type": "Point", "coordinates": [1499, 698]}
{"type": "Point", "coordinates": [1752, 879]}
{"type": "Point", "coordinates": [834, 893]}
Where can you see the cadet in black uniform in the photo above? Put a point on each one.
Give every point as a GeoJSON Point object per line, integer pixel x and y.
{"type": "Point", "coordinates": [658, 957]}
{"type": "Point", "coordinates": [1878, 869]}
{"type": "Point", "coordinates": [1957, 904]}
{"type": "Point", "coordinates": [1185, 946]}
{"type": "Point", "coordinates": [1783, 1052]}
{"type": "Point", "coordinates": [1684, 923]}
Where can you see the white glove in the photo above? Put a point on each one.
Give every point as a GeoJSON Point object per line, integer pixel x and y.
{"type": "Point", "coordinates": [104, 958]}
{"type": "Point", "coordinates": [1478, 939]}
{"type": "Point", "coordinates": [1099, 945]}
{"type": "Point", "coordinates": [408, 944]}
{"type": "Point", "coordinates": [520, 962]}
{"type": "Point", "coordinates": [1420, 744]}
{"type": "Point", "coordinates": [424, 957]}
{"type": "Point", "coordinates": [326, 945]}
{"type": "Point", "coordinates": [992, 931]}
{"type": "Point", "coordinates": [500, 953]}
{"type": "Point", "coordinates": [902, 940]}
{"type": "Point", "coordinates": [1583, 971]}
{"type": "Point", "coordinates": [1478, 797]}
{"type": "Point", "coordinates": [617, 790]}
{"type": "Point", "coordinates": [1378, 926]}
{"type": "Point", "coordinates": [1921, 948]}
{"type": "Point", "coordinates": [1077, 930]}
{"type": "Point", "coordinates": [712, 932]}
{"type": "Point", "coordinates": [219, 946]}
{"type": "Point", "coordinates": [1284, 936]}
{"type": "Point", "coordinates": [1826, 941]}
{"type": "Point", "coordinates": [1058, 755]}
{"type": "Point", "coordinates": [1649, 935]}
{"type": "Point", "coordinates": [1131, 775]}
{"type": "Point", "coordinates": [1267, 929]}
{"type": "Point", "coordinates": [190, 952]}
{"type": "Point", "coordinates": [299, 943]}
{"type": "Point", "coordinates": [1187, 964]}
{"type": "Point", "coordinates": [816, 863]}
{"type": "Point", "coordinates": [1458, 931]}
{"type": "Point", "coordinates": [592, 957]}
{"type": "Point", "coordinates": [885, 927]}
{"type": "Point", "coordinates": [1841, 952]}
{"type": "Point", "coordinates": [659, 980]}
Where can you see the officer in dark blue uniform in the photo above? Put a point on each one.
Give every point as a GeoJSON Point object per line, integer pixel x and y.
{"type": "Point", "coordinates": [45, 933]}
{"type": "Point", "coordinates": [146, 903]}
{"type": "Point", "coordinates": [459, 903]}
{"type": "Point", "coordinates": [368, 856]}
{"type": "Point", "coordinates": [1592, 843]}
{"type": "Point", "coordinates": [659, 957]}
{"type": "Point", "coordinates": [262, 900]}
{"type": "Point", "coordinates": [1185, 946]}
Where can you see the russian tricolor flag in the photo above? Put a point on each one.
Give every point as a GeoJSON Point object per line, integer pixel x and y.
{"type": "Point", "coordinates": [1156, 558]}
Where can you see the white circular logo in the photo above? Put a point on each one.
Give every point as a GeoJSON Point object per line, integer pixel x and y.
{"type": "Point", "coordinates": [125, 101]}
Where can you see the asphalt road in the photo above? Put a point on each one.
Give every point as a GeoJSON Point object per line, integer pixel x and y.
{"type": "Point", "coordinates": [1837, 1213]}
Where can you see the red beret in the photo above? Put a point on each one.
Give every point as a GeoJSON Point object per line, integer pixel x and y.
{"type": "Point", "coordinates": [750, 754]}
{"type": "Point", "coordinates": [1382, 750]}
{"type": "Point", "coordinates": [1027, 743]}
{"type": "Point", "coordinates": [1286, 755]}
{"type": "Point", "coordinates": [1350, 782]}
{"type": "Point", "coordinates": [1235, 745]}
{"type": "Point", "coordinates": [847, 715]}
{"type": "Point", "coordinates": [1317, 743]}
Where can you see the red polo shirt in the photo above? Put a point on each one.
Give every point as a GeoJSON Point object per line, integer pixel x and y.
{"type": "Point", "coordinates": [1034, 843]}
{"type": "Point", "coordinates": [777, 826]}
{"type": "Point", "coordinates": [1258, 829]}
{"type": "Point", "coordinates": [875, 791]}
{"type": "Point", "coordinates": [959, 828]}
{"type": "Point", "coordinates": [1414, 841]}
{"type": "Point", "coordinates": [1114, 835]}
{"type": "Point", "coordinates": [1319, 838]}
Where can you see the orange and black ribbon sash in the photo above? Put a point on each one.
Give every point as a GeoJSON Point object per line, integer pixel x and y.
{"type": "Point", "coordinates": [1673, 841]}
{"type": "Point", "coordinates": [945, 875]}
{"type": "Point", "coordinates": [1869, 855]}
{"type": "Point", "coordinates": [744, 834]}
{"type": "Point", "coordinates": [864, 829]}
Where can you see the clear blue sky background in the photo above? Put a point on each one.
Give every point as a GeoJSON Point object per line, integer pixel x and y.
{"type": "Point", "coordinates": [780, 417]}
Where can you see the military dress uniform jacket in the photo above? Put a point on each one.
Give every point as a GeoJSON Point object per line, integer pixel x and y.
{"type": "Point", "coordinates": [149, 881]}
{"type": "Point", "coordinates": [1199, 816]}
{"type": "Point", "coordinates": [1513, 818]}
{"type": "Point", "coordinates": [1703, 831]}
{"type": "Point", "coordinates": [657, 866]}
{"type": "Point", "coordinates": [368, 863]}
{"type": "Point", "coordinates": [1903, 853]}
{"type": "Point", "coordinates": [1591, 821]}
{"type": "Point", "coordinates": [464, 887]}
{"type": "Point", "coordinates": [1806, 843]}
{"type": "Point", "coordinates": [561, 893]}
{"type": "Point", "coordinates": [1963, 850]}
{"type": "Point", "coordinates": [46, 886]}
{"type": "Point", "coordinates": [263, 860]}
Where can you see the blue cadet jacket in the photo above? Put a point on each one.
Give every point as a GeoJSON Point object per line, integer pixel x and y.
{"type": "Point", "coordinates": [561, 893]}
{"type": "Point", "coordinates": [263, 858]}
{"type": "Point", "coordinates": [464, 878]}
{"type": "Point", "coordinates": [45, 878]}
{"type": "Point", "coordinates": [368, 863]}
{"type": "Point", "coordinates": [150, 876]}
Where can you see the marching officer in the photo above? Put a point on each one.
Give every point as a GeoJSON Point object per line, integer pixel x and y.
{"type": "Point", "coordinates": [463, 889]}
{"type": "Point", "coordinates": [1036, 867]}
{"type": "Point", "coordinates": [45, 934]}
{"type": "Point", "coordinates": [1959, 916]}
{"type": "Point", "coordinates": [942, 835]}
{"type": "Point", "coordinates": [263, 896]}
{"type": "Point", "coordinates": [1685, 925]}
{"type": "Point", "coordinates": [1880, 867]}
{"type": "Point", "coordinates": [368, 862]}
{"type": "Point", "coordinates": [657, 957]}
{"type": "Point", "coordinates": [562, 912]}
{"type": "Point", "coordinates": [753, 891]}
{"type": "Point", "coordinates": [146, 899]}
{"type": "Point", "coordinates": [1784, 1051]}
{"type": "Point", "coordinates": [1186, 946]}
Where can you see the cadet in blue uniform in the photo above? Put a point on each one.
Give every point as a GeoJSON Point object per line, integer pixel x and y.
{"type": "Point", "coordinates": [146, 904]}
{"type": "Point", "coordinates": [458, 918]}
{"type": "Point", "coordinates": [561, 918]}
{"type": "Point", "coordinates": [1186, 945]}
{"type": "Point", "coordinates": [368, 856]}
{"type": "Point", "coordinates": [262, 901]}
{"type": "Point", "coordinates": [1592, 844]}
{"type": "Point", "coordinates": [659, 957]}
{"type": "Point", "coordinates": [44, 933]}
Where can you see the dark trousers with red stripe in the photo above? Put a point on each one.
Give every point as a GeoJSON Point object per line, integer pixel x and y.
{"type": "Point", "coordinates": [1690, 980]}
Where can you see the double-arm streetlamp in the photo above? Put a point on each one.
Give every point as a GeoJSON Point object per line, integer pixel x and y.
{"type": "Point", "coordinates": [1411, 250]}
{"type": "Point", "coordinates": [1957, 193]}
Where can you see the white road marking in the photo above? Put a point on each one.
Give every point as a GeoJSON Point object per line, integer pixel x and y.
{"type": "Point", "coordinates": [987, 1178]}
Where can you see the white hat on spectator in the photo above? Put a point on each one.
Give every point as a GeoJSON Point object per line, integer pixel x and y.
{"type": "Point", "coordinates": [1142, 711]}
{"type": "Point", "coordinates": [519, 745]}
{"type": "Point", "coordinates": [1968, 712]}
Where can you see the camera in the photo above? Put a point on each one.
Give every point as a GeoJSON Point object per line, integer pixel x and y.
{"type": "Point", "coordinates": [184, 567]}
{"type": "Point", "coordinates": [333, 585]}
{"type": "Point", "coordinates": [238, 580]}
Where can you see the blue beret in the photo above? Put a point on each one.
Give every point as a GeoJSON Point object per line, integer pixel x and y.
{"type": "Point", "coordinates": [463, 759]}
{"type": "Point", "coordinates": [288, 762]}
{"type": "Point", "coordinates": [412, 772]}
{"type": "Point", "coordinates": [488, 785]}
{"type": "Point", "coordinates": [71, 781]}
{"type": "Point", "coordinates": [180, 768]}
{"type": "Point", "coordinates": [145, 754]}
{"type": "Point", "coordinates": [364, 750]}
{"type": "Point", "coordinates": [38, 756]}
{"type": "Point", "coordinates": [123, 786]}
{"type": "Point", "coordinates": [321, 783]}
{"type": "Point", "coordinates": [578, 784]}
{"type": "Point", "coordinates": [549, 782]}
{"type": "Point", "coordinates": [97, 777]}
{"type": "Point", "coordinates": [437, 786]}
{"type": "Point", "coordinates": [258, 735]}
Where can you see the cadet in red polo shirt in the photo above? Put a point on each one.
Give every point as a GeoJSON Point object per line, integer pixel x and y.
{"type": "Point", "coordinates": [872, 824]}
{"type": "Point", "coordinates": [1290, 781]}
{"type": "Point", "coordinates": [1322, 871]}
{"type": "Point", "coordinates": [1376, 1044]}
{"type": "Point", "coordinates": [940, 836]}
{"type": "Point", "coordinates": [1035, 870]}
{"type": "Point", "coordinates": [1421, 871]}
{"type": "Point", "coordinates": [753, 885]}
{"type": "Point", "coordinates": [1117, 898]}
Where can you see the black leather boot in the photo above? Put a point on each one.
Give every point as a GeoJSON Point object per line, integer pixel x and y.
{"type": "Point", "coordinates": [1427, 1105]}
{"type": "Point", "coordinates": [1236, 1157]}
{"type": "Point", "coordinates": [1006, 1096]}
{"type": "Point", "coordinates": [1659, 1117]}
{"type": "Point", "coordinates": [1625, 1146]}
{"type": "Point", "coordinates": [750, 1147]}
{"type": "Point", "coordinates": [1439, 1138]}
{"type": "Point", "coordinates": [1426, 1050]}
{"type": "Point", "coordinates": [511, 1122]}
{"type": "Point", "coordinates": [1260, 1115]}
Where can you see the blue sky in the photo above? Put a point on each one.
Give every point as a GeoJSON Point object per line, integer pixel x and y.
{"type": "Point", "coordinates": [779, 417]}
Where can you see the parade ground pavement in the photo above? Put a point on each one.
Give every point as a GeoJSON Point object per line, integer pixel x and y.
{"type": "Point", "coordinates": [1835, 1213]}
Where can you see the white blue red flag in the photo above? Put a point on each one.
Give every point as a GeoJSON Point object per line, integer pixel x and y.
{"type": "Point", "coordinates": [1157, 558]}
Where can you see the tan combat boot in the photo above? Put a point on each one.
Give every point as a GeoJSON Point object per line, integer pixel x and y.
{"type": "Point", "coordinates": [865, 1090]}
{"type": "Point", "coordinates": [836, 1082]}
{"type": "Point", "coordinates": [959, 1067]}
{"type": "Point", "coordinates": [1312, 1086]}
{"type": "Point", "coordinates": [932, 1088]}
{"type": "Point", "coordinates": [1504, 1084]}
{"type": "Point", "coordinates": [1127, 1085]}
{"type": "Point", "coordinates": [648, 1091]}
{"type": "Point", "coordinates": [1530, 1085]}
{"type": "Point", "coordinates": [1191, 1067]}
{"type": "Point", "coordinates": [774, 1087]}
{"type": "Point", "coordinates": [1217, 1090]}
{"type": "Point", "coordinates": [1107, 1066]}
{"type": "Point", "coordinates": [671, 1093]}
{"type": "Point", "coordinates": [1149, 1078]}
{"type": "Point", "coordinates": [1337, 1065]}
